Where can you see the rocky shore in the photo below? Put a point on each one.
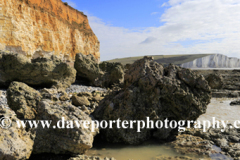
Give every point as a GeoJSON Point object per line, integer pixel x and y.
{"type": "Point", "coordinates": [49, 89]}
{"type": "Point", "coordinates": [224, 83]}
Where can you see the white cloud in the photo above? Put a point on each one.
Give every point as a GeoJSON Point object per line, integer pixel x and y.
{"type": "Point", "coordinates": [215, 23]}
{"type": "Point", "coordinates": [164, 4]}
{"type": "Point", "coordinates": [154, 13]}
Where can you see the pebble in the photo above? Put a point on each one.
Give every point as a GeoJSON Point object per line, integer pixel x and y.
{"type": "Point", "coordinates": [3, 98]}
{"type": "Point", "coordinates": [76, 88]}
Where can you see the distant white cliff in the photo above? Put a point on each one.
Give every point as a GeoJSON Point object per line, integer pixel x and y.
{"type": "Point", "coordinates": [213, 61]}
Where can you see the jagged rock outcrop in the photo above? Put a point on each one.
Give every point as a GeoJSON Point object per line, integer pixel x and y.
{"type": "Point", "coordinates": [225, 83]}
{"type": "Point", "coordinates": [23, 100]}
{"type": "Point", "coordinates": [156, 92]}
{"type": "Point", "coordinates": [15, 142]}
{"type": "Point", "coordinates": [40, 71]}
{"type": "Point", "coordinates": [104, 74]}
{"type": "Point", "coordinates": [230, 78]}
{"type": "Point", "coordinates": [213, 61]}
{"type": "Point", "coordinates": [44, 28]}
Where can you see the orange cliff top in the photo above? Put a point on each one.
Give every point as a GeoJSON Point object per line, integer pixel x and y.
{"type": "Point", "coordinates": [61, 10]}
{"type": "Point", "coordinates": [41, 27]}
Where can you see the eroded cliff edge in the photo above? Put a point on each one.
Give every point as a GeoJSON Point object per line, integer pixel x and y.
{"type": "Point", "coordinates": [38, 28]}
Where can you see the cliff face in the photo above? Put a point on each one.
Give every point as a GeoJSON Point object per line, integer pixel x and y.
{"type": "Point", "coordinates": [213, 61]}
{"type": "Point", "coordinates": [40, 28]}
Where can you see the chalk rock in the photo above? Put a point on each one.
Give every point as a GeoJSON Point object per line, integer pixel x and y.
{"type": "Point", "coordinates": [213, 61]}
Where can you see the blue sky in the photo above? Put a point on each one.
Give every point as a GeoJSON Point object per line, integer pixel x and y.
{"type": "Point", "coordinates": [135, 28]}
{"type": "Point", "coordinates": [124, 13]}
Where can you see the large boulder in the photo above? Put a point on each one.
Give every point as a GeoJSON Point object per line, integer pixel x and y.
{"type": "Point", "coordinates": [156, 92]}
{"type": "Point", "coordinates": [104, 74]}
{"type": "Point", "coordinates": [51, 105]}
{"type": "Point", "coordinates": [113, 74]}
{"type": "Point", "coordinates": [215, 81]}
{"type": "Point", "coordinates": [23, 100]}
{"type": "Point", "coordinates": [62, 140]}
{"type": "Point", "coordinates": [87, 67]}
{"type": "Point", "coordinates": [15, 142]}
{"type": "Point", "coordinates": [37, 72]}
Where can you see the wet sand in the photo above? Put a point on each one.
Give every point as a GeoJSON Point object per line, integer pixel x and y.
{"type": "Point", "coordinates": [220, 109]}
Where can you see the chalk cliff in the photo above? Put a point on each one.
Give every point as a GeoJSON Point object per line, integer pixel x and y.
{"type": "Point", "coordinates": [213, 61]}
{"type": "Point", "coordinates": [40, 28]}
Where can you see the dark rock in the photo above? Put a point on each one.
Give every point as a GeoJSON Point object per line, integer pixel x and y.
{"type": "Point", "coordinates": [62, 140]}
{"type": "Point", "coordinates": [234, 103]}
{"type": "Point", "coordinates": [87, 67]}
{"type": "Point", "coordinates": [188, 144]}
{"type": "Point", "coordinates": [226, 138]}
{"type": "Point", "coordinates": [80, 101]}
{"type": "Point", "coordinates": [38, 72]}
{"type": "Point", "coordinates": [30, 104]}
{"type": "Point", "coordinates": [215, 81]}
{"type": "Point", "coordinates": [23, 100]}
{"type": "Point", "coordinates": [113, 74]}
{"type": "Point", "coordinates": [156, 92]}
{"type": "Point", "coordinates": [223, 93]}
{"type": "Point", "coordinates": [103, 75]}
{"type": "Point", "coordinates": [225, 83]}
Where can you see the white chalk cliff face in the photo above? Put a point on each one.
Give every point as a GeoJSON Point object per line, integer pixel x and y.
{"type": "Point", "coordinates": [213, 61]}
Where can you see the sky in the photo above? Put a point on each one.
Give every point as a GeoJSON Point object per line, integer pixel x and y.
{"type": "Point", "coordinates": [128, 28]}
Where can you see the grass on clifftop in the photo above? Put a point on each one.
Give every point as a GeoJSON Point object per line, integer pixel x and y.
{"type": "Point", "coordinates": [164, 59]}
